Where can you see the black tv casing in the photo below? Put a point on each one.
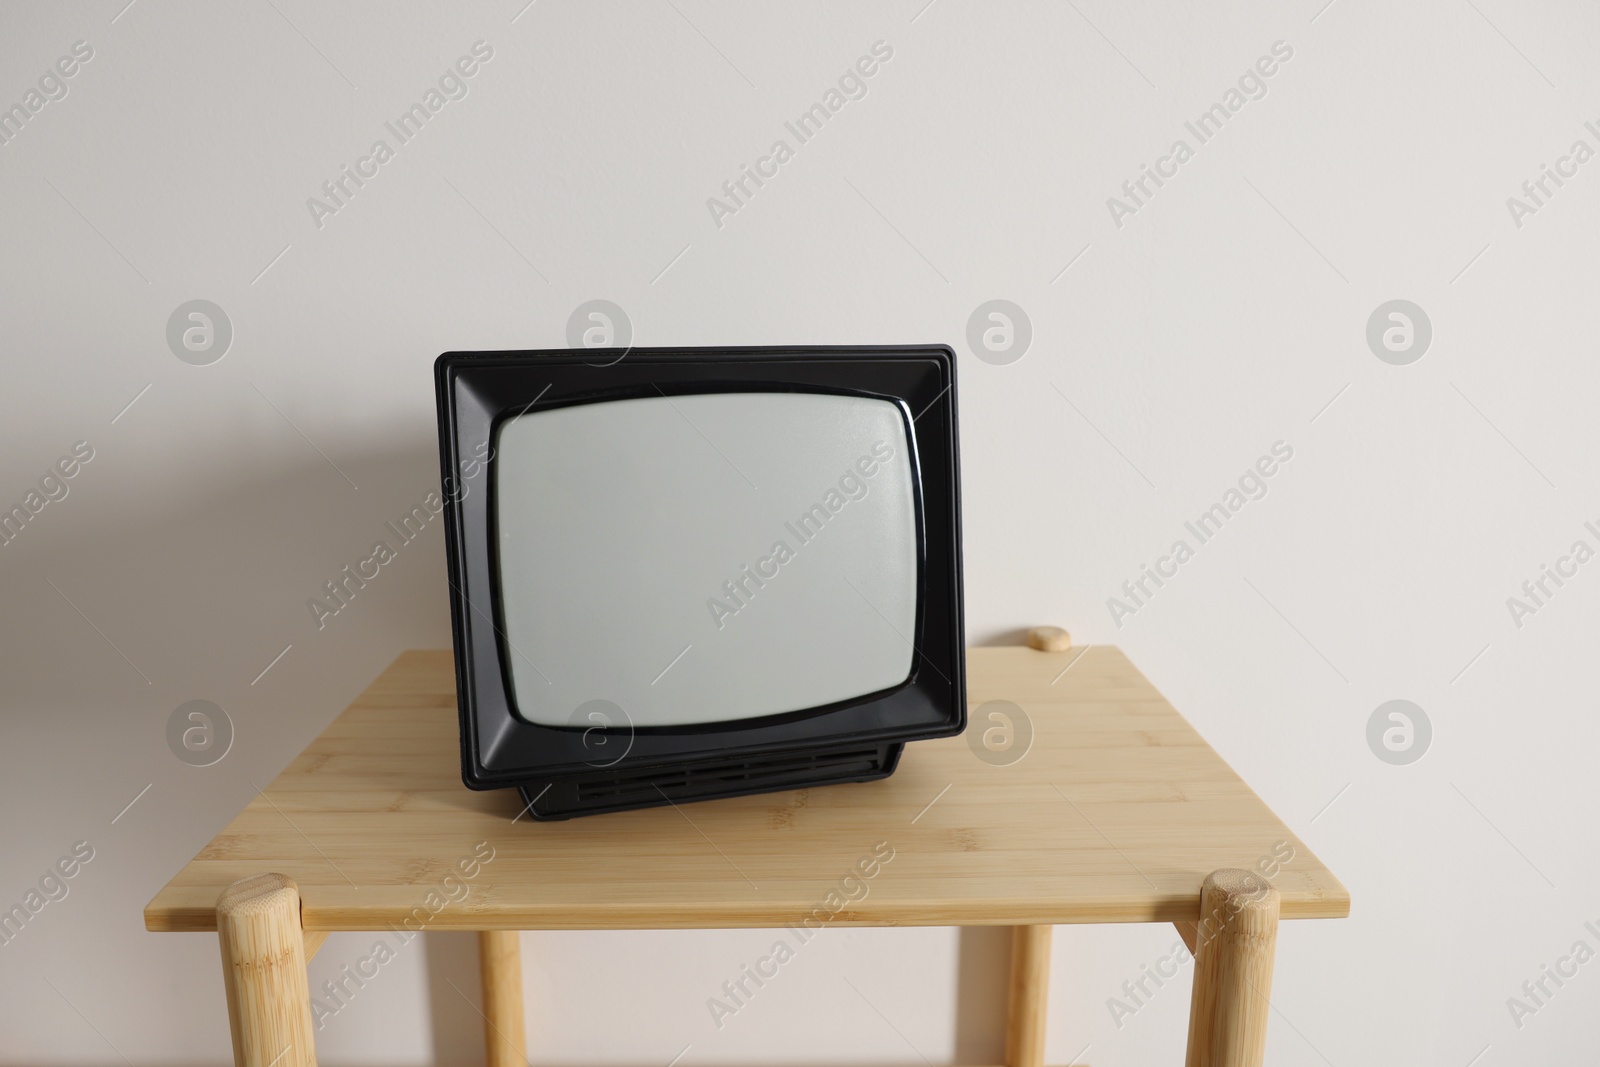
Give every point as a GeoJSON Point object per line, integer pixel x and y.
{"type": "Point", "coordinates": [569, 770]}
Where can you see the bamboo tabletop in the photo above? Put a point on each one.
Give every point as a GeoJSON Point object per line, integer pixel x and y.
{"type": "Point", "coordinates": [1113, 810]}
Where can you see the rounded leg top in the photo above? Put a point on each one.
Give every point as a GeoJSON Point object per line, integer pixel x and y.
{"type": "Point", "coordinates": [264, 972]}
{"type": "Point", "coordinates": [1236, 936]}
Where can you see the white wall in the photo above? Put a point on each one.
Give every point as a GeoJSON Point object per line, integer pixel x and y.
{"type": "Point", "coordinates": [1227, 314]}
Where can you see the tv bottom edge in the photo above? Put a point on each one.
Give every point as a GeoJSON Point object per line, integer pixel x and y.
{"type": "Point", "coordinates": [625, 786]}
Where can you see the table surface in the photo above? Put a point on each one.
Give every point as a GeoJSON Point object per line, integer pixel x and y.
{"type": "Point", "coordinates": [1116, 813]}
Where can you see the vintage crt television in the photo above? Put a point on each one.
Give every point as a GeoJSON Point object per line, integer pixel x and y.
{"type": "Point", "coordinates": [682, 574]}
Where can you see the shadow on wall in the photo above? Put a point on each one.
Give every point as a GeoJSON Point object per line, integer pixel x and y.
{"type": "Point", "coordinates": [457, 1025]}
{"type": "Point", "coordinates": [453, 991]}
{"type": "Point", "coordinates": [983, 964]}
{"type": "Point", "coordinates": [126, 600]}
{"type": "Point", "coordinates": [143, 589]}
{"type": "Point", "coordinates": [366, 985]}
{"type": "Point", "coordinates": [140, 585]}
{"type": "Point", "coordinates": [1001, 639]}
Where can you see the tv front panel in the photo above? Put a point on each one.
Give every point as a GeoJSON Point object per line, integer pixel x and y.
{"type": "Point", "coordinates": [692, 573]}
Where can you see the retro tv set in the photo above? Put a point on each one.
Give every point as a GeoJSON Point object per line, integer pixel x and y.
{"type": "Point", "coordinates": [686, 574]}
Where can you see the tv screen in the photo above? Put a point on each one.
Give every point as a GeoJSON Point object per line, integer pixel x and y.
{"type": "Point", "coordinates": [691, 582]}
{"type": "Point", "coordinates": [699, 573]}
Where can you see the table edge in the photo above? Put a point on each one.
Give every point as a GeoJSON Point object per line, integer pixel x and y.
{"type": "Point", "coordinates": [190, 919]}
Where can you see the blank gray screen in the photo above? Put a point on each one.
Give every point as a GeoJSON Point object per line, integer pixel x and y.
{"type": "Point", "coordinates": [707, 557]}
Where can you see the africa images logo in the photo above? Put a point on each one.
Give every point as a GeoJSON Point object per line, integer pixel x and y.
{"type": "Point", "coordinates": [453, 84]}
{"type": "Point", "coordinates": [851, 85]}
{"type": "Point", "coordinates": [1252, 85]}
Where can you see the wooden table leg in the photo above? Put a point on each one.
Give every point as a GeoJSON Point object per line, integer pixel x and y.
{"type": "Point", "coordinates": [264, 973]}
{"type": "Point", "coordinates": [1030, 984]}
{"type": "Point", "coordinates": [500, 964]}
{"type": "Point", "coordinates": [314, 940]}
{"type": "Point", "coordinates": [1236, 934]}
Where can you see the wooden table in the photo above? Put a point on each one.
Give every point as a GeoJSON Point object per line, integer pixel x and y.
{"type": "Point", "coordinates": [1115, 812]}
